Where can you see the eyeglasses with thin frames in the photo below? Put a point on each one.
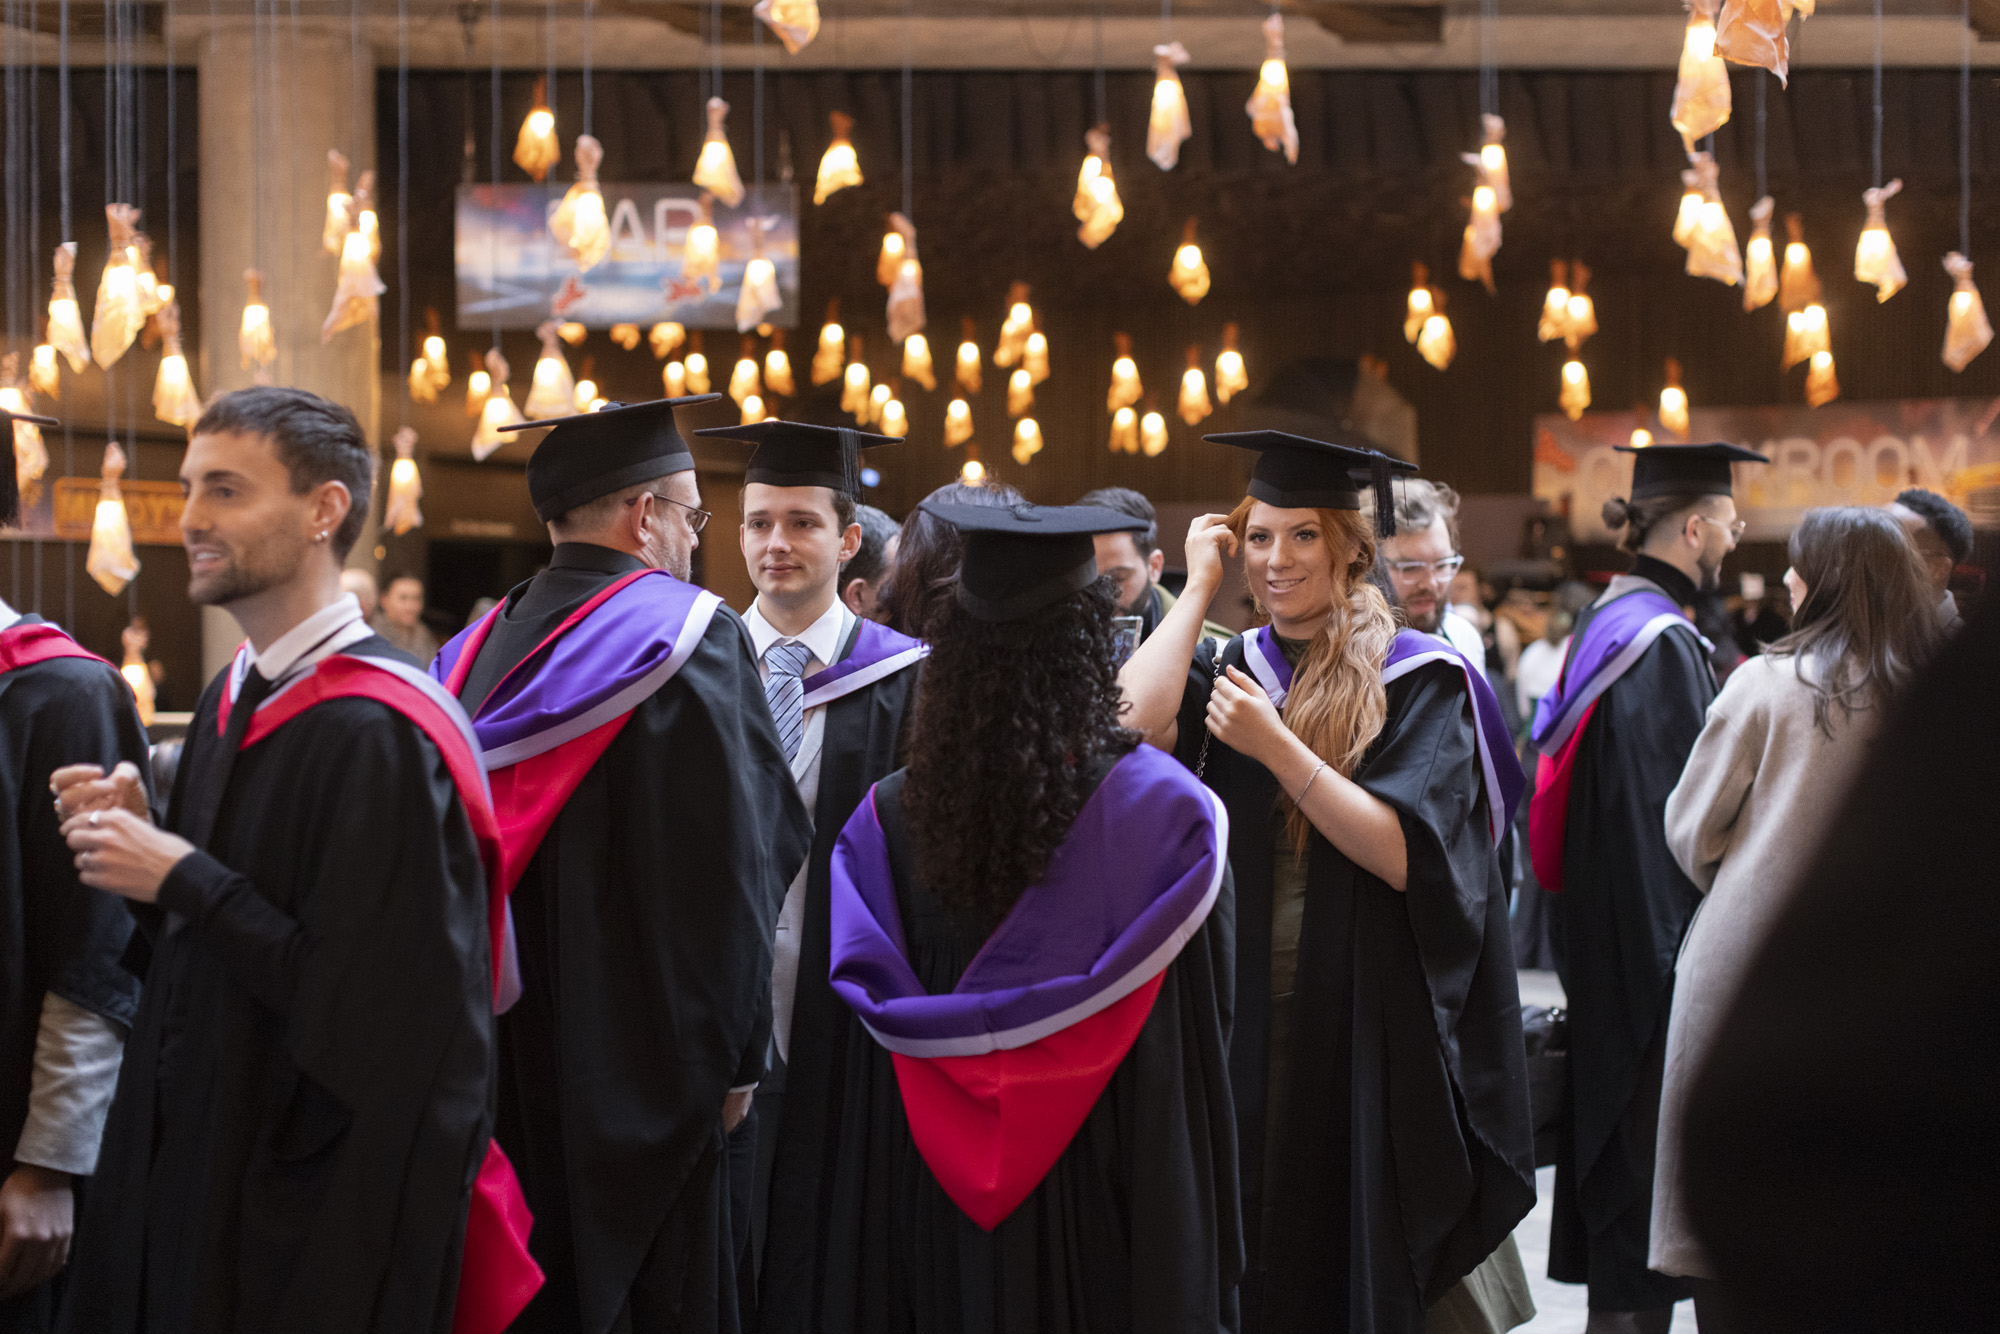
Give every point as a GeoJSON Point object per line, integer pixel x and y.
{"type": "Point", "coordinates": [697, 519]}
{"type": "Point", "coordinates": [1408, 570]}
{"type": "Point", "coordinates": [1736, 528]}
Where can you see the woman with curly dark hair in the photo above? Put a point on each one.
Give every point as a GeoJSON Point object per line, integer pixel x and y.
{"type": "Point", "coordinates": [927, 551]}
{"type": "Point", "coordinates": [1032, 922]}
{"type": "Point", "coordinates": [1376, 1058]}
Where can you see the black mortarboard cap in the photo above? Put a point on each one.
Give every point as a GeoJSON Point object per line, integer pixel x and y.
{"type": "Point", "coordinates": [1022, 558]}
{"type": "Point", "coordinates": [1671, 470]}
{"type": "Point", "coordinates": [791, 453]}
{"type": "Point", "coordinates": [1295, 472]}
{"type": "Point", "coordinates": [595, 453]}
{"type": "Point", "coordinates": [10, 487]}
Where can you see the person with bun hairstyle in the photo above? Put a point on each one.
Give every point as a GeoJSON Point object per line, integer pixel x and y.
{"type": "Point", "coordinates": [1376, 1057]}
{"type": "Point", "coordinates": [1613, 736]}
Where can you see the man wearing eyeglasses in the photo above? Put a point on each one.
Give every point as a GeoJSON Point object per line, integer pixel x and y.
{"type": "Point", "coordinates": [649, 825]}
{"type": "Point", "coordinates": [1418, 564]}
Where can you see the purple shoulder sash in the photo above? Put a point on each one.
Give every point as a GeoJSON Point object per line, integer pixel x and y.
{"type": "Point", "coordinates": [1498, 766]}
{"type": "Point", "coordinates": [876, 654]}
{"type": "Point", "coordinates": [1132, 883]}
{"type": "Point", "coordinates": [614, 652]}
{"type": "Point", "coordinates": [1618, 635]}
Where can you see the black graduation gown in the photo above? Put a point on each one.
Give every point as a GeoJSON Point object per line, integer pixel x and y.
{"type": "Point", "coordinates": [56, 935]}
{"type": "Point", "coordinates": [862, 744]}
{"type": "Point", "coordinates": [1133, 1229]}
{"type": "Point", "coordinates": [1619, 920]}
{"type": "Point", "coordinates": [644, 924]}
{"type": "Point", "coordinates": [1405, 1133]}
{"type": "Point", "coordinates": [1842, 1154]}
{"type": "Point", "coordinates": [305, 1096]}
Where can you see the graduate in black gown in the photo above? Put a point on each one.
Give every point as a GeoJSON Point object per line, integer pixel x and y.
{"type": "Point", "coordinates": [1613, 736]}
{"type": "Point", "coordinates": [304, 1104]}
{"type": "Point", "coordinates": [1377, 1062]}
{"type": "Point", "coordinates": [65, 1003]}
{"type": "Point", "coordinates": [839, 687]}
{"type": "Point", "coordinates": [1032, 922]}
{"type": "Point", "coordinates": [652, 825]}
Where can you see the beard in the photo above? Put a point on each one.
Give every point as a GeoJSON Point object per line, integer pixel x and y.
{"type": "Point", "coordinates": [242, 574]}
{"type": "Point", "coordinates": [674, 558]}
{"type": "Point", "coordinates": [1139, 605]}
{"type": "Point", "coordinates": [1711, 575]}
{"type": "Point", "coordinates": [1428, 621]}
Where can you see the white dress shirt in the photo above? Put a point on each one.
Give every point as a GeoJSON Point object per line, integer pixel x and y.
{"type": "Point", "coordinates": [1464, 636]}
{"type": "Point", "coordinates": [337, 625]}
{"type": "Point", "coordinates": [822, 639]}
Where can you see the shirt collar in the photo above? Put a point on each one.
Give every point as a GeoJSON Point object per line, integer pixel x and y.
{"type": "Point", "coordinates": [1947, 609]}
{"type": "Point", "coordinates": [823, 637]}
{"type": "Point", "coordinates": [8, 616]}
{"type": "Point", "coordinates": [332, 628]}
{"type": "Point", "coordinates": [590, 556]}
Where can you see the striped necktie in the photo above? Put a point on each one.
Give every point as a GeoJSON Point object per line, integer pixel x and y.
{"type": "Point", "coordinates": [784, 689]}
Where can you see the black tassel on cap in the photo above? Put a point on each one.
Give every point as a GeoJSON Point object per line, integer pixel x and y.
{"type": "Point", "coordinates": [1385, 498]}
{"type": "Point", "coordinates": [850, 461]}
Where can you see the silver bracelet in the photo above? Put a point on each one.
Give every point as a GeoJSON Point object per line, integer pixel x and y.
{"type": "Point", "coordinates": [1301, 799]}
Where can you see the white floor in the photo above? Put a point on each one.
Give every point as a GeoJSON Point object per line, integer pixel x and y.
{"type": "Point", "coordinates": [1561, 1308]}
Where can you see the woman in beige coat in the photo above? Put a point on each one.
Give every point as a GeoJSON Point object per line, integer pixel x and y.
{"type": "Point", "coordinates": [1780, 743]}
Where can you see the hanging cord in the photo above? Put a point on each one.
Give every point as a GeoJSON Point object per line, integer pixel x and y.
{"type": "Point", "coordinates": [16, 196]}
{"type": "Point", "coordinates": [1964, 136]}
{"type": "Point", "coordinates": [173, 149]}
{"type": "Point", "coordinates": [1166, 21]}
{"type": "Point", "coordinates": [62, 165]}
{"type": "Point", "coordinates": [355, 88]}
{"type": "Point", "coordinates": [757, 110]}
{"type": "Point", "coordinates": [1878, 93]}
{"type": "Point", "coordinates": [909, 154]}
{"type": "Point", "coordinates": [589, 17]}
{"type": "Point", "coordinates": [493, 147]}
{"type": "Point", "coordinates": [1489, 71]}
{"type": "Point", "coordinates": [549, 52]}
{"type": "Point", "coordinates": [403, 206]}
{"type": "Point", "coordinates": [1762, 187]}
{"type": "Point", "coordinates": [1099, 100]}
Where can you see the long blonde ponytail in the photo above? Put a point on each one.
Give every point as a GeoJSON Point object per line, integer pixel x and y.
{"type": "Point", "coordinates": [1336, 704]}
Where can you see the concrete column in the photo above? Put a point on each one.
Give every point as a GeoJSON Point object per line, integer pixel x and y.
{"type": "Point", "coordinates": [265, 131]}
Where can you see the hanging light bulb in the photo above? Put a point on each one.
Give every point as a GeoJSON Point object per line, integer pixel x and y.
{"type": "Point", "coordinates": [664, 337]}
{"type": "Point", "coordinates": [1270, 104]}
{"type": "Point", "coordinates": [586, 388]}
{"type": "Point", "coordinates": [894, 420]}
{"type": "Point", "coordinates": [957, 422]}
{"type": "Point", "coordinates": [674, 379]}
{"type": "Point", "coordinates": [878, 398]}
{"type": "Point", "coordinates": [1755, 34]}
{"type": "Point", "coordinates": [436, 357]}
{"type": "Point", "coordinates": [795, 21]}
{"type": "Point", "coordinates": [1798, 285]}
{"type": "Point", "coordinates": [832, 352]}
{"type": "Point", "coordinates": [365, 220]}
{"type": "Point", "coordinates": [1482, 237]}
{"type": "Point", "coordinates": [138, 676]}
{"type": "Point", "coordinates": [1641, 437]}
{"type": "Point", "coordinates": [111, 561]}
{"type": "Point", "coordinates": [917, 361]}
{"type": "Point", "coordinates": [42, 376]}
{"type": "Point", "coordinates": [1688, 216]}
{"type": "Point", "coordinates": [255, 342]}
{"type": "Point", "coordinates": [1760, 259]}
{"type": "Point", "coordinates": [752, 410]}
{"type": "Point", "coordinates": [406, 488]}
{"type": "Point", "coordinates": [1421, 304]}
{"type": "Point", "coordinates": [1554, 322]}
{"type": "Point", "coordinates": [1492, 160]}
{"type": "Point", "coordinates": [535, 148]}
{"type": "Point", "coordinates": [906, 287]}
{"type": "Point", "coordinates": [1020, 392]}
{"type": "Point", "coordinates": [1806, 335]}
{"type": "Point", "coordinates": [477, 386]}
{"type": "Point", "coordinates": [1231, 378]}
{"type": "Point", "coordinates": [854, 386]}
{"type": "Point", "coordinates": [1436, 343]}
{"type": "Point", "coordinates": [145, 283]}
{"type": "Point", "coordinates": [1875, 259]}
{"type": "Point", "coordinates": [1580, 311]}
{"type": "Point", "coordinates": [1674, 401]}
{"type": "Point", "coordinates": [1822, 385]}
{"type": "Point", "coordinates": [1966, 330]}
{"type": "Point", "coordinates": [1194, 404]}
{"type": "Point", "coordinates": [580, 223]}
{"type": "Point", "coordinates": [744, 380]}
{"type": "Point", "coordinates": [696, 363]}
{"type": "Point", "coordinates": [1027, 440]}
{"type": "Point", "coordinates": [497, 409]}
{"type": "Point", "coordinates": [778, 367]}
{"type": "Point", "coordinates": [339, 203]}
{"type": "Point", "coordinates": [1152, 434]}
{"type": "Point", "coordinates": [174, 398]}
{"type": "Point", "coordinates": [625, 335]}
{"type": "Point", "coordinates": [890, 257]}
{"type": "Point", "coordinates": [1125, 430]}
{"type": "Point", "coordinates": [1701, 96]}
{"type": "Point", "coordinates": [552, 390]}
{"type": "Point", "coordinates": [1097, 206]}
{"type": "Point", "coordinates": [31, 453]}
{"type": "Point", "coordinates": [973, 473]}
{"type": "Point", "coordinates": [701, 251]}
{"type": "Point", "coordinates": [1168, 125]}
{"type": "Point", "coordinates": [119, 316]}
{"type": "Point", "coordinates": [1188, 275]}
{"type": "Point", "coordinates": [1035, 354]}
{"type": "Point", "coordinates": [1712, 251]}
{"type": "Point", "coordinates": [968, 357]}
{"type": "Point", "coordinates": [1575, 388]}
{"type": "Point", "coordinates": [758, 296]}
{"type": "Point", "coordinates": [357, 296]}
{"type": "Point", "coordinates": [1125, 387]}
{"type": "Point", "coordinates": [65, 319]}
{"type": "Point", "coordinates": [1014, 330]}
{"type": "Point", "coordinates": [838, 166]}
{"type": "Point", "coordinates": [715, 170]}
{"type": "Point", "coordinates": [421, 389]}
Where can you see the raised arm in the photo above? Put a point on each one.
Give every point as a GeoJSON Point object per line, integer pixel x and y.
{"type": "Point", "coordinates": [1154, 678]}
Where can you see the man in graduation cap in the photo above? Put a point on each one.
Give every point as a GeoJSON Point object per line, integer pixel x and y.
{"type": "Point", "coordinates": [650, 824]}
{"type": "Point", "coordinates": [301, 1133]}
{"type": "Point", "coordinates": [1613, 736]}
{"type": "Point", "coordinates": [65, 1004]}
{"type": "Point", "coordinates": [838, 686]}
